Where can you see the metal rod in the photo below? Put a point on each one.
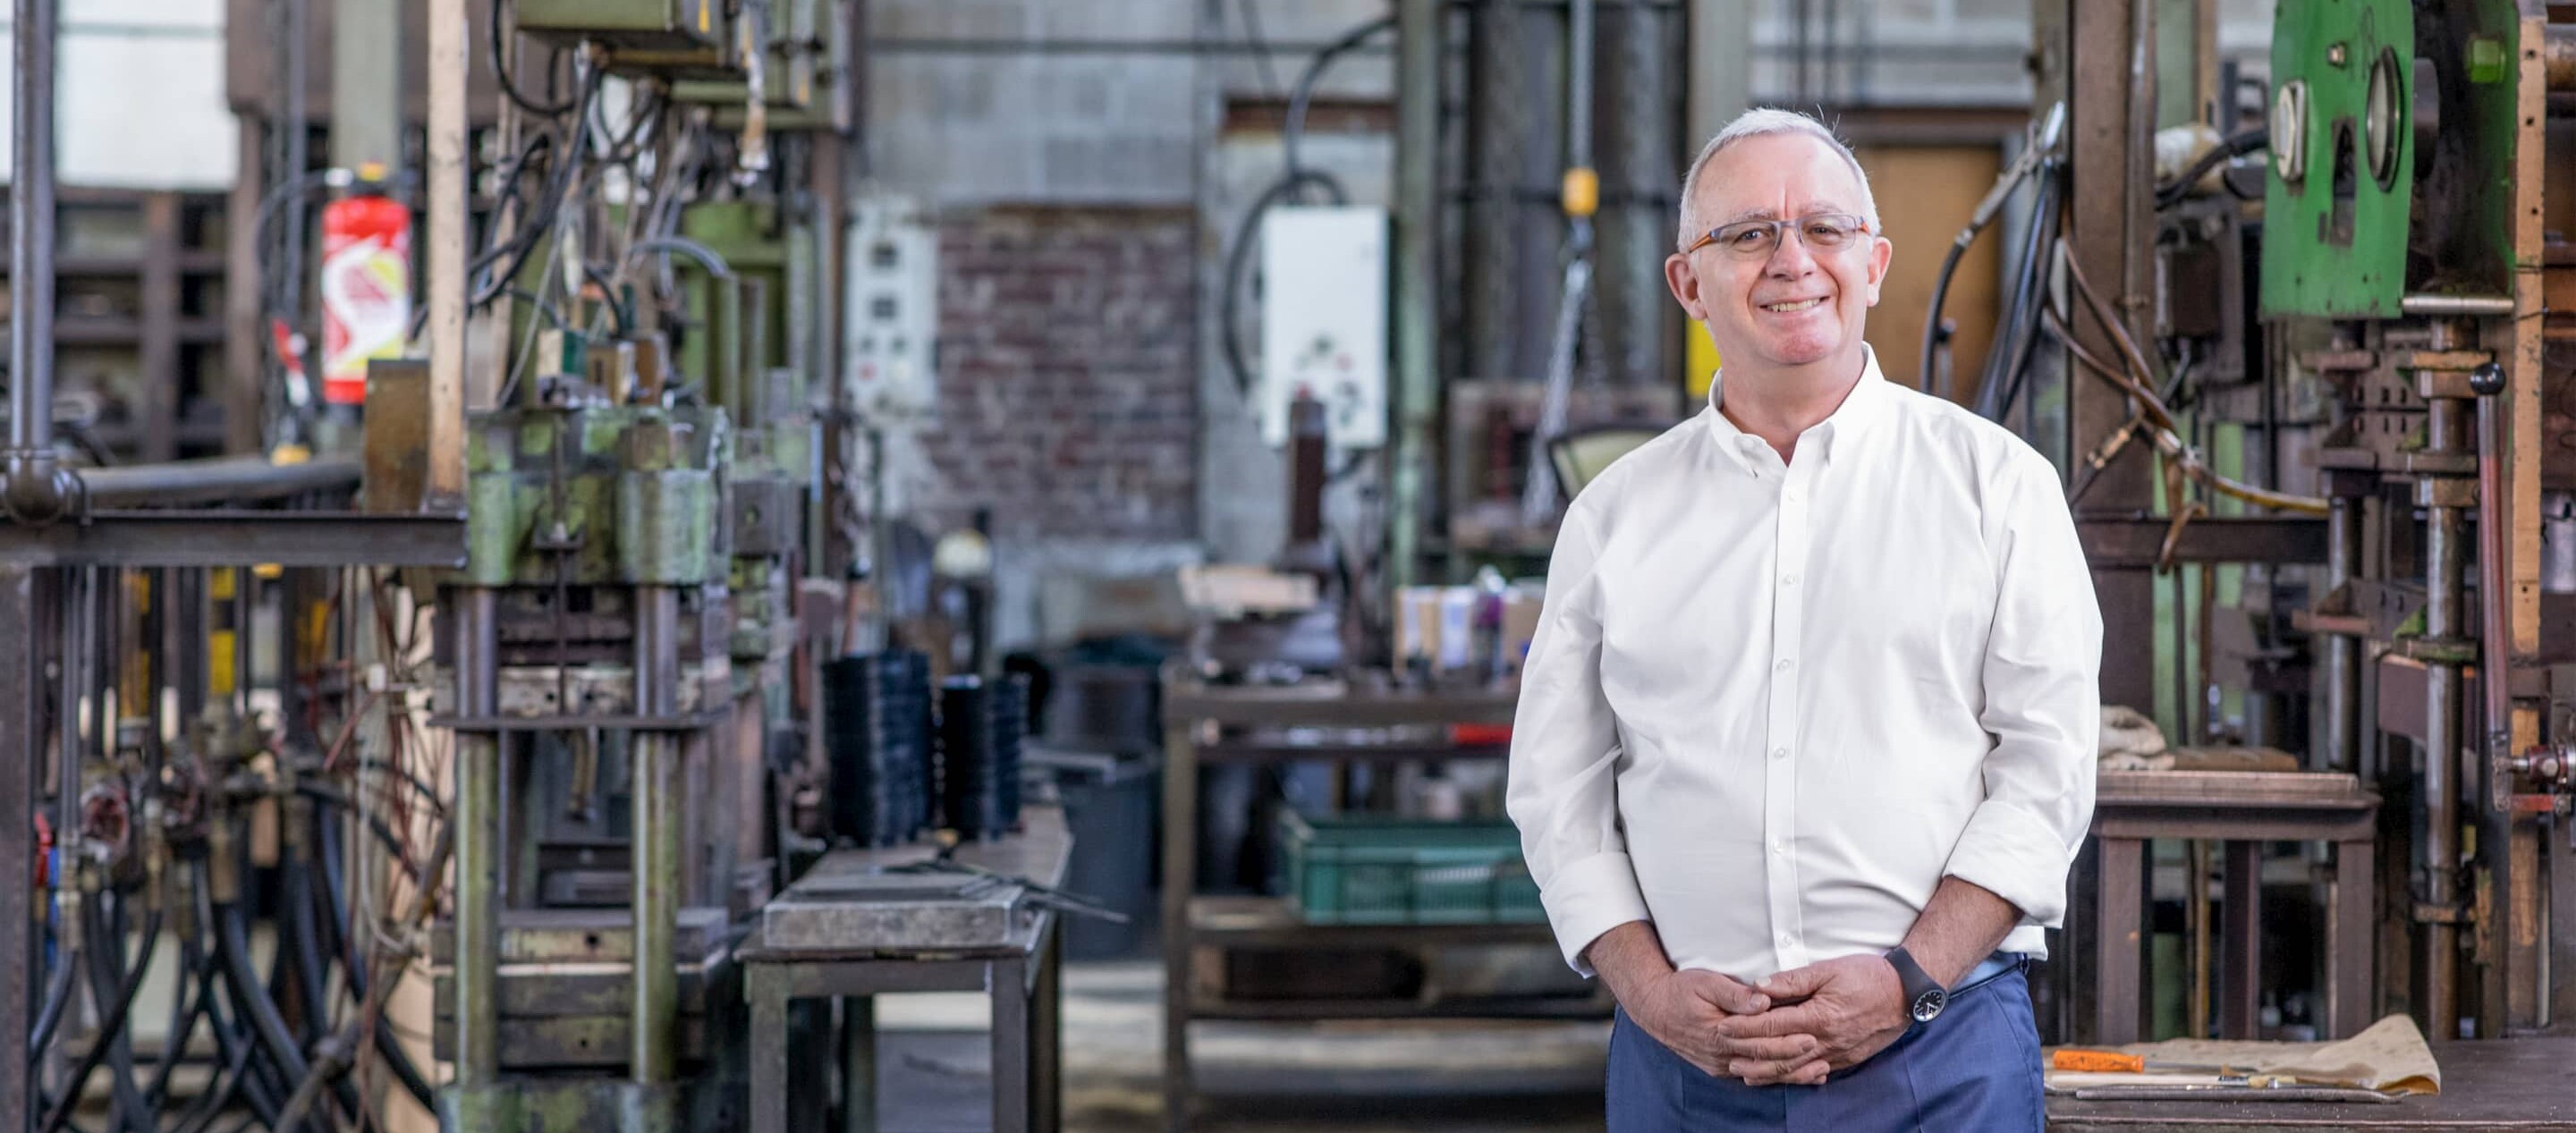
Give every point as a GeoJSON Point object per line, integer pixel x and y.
{"type": "Point", "coordinates": [2446, 555]}
{"type": "Point", "coordinates": [657, 856]}
{"type": "Point", "coordinates": [2495, 584]}
{"type": "Point", "coordinates": [2455, 305]}
{"type": "Point", "coordinates": [2343, 652]}
{"type": "Point", "coordinates": [1578, 83]}
{"type": "Point", "coordinates": [32, 487]}
{"type": "Point", "coordinates": [478, 843]}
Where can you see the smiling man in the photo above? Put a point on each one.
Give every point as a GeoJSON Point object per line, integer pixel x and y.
{"type": "Point", "coordinates": [1805, 742]}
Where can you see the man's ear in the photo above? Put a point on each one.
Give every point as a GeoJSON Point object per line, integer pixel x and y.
{"type": "Point", "coordinates": [1684, 282]}
{"type": "Point", "coordinates": [1881, 250]}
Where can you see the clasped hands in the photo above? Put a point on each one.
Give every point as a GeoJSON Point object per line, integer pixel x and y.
{"type": "Point", "coordinates": [1792, 1028]}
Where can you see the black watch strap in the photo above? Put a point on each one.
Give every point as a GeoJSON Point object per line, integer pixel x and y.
{"type": "Point", "coordinates": [1924, 996]}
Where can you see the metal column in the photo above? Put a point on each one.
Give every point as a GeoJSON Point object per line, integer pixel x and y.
{"type": "Point", "coordinates": [2445, 582]}
{"type": "Point", "coordinates": [478, 844]}
{"type": "Point", "coordinates": [31, 488]}
{"type": "Point", "coordinates": [1418, 62]}
{"type": "Point", "coordinates": [21, 744]}
{"type": "Point", "coordinates": [2343, 652]}
{"type": "Point", "coordinates": [656, 875]}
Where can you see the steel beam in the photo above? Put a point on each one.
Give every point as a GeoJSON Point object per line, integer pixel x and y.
{"type": "Point", "coordinates": [2133, 544]}
{"type": "Point", "coordinates": [232, 538]}
{"type": "Point", "coordinates": [21, 740]}
{"type": "Point", "coordinates": [2110, 83]}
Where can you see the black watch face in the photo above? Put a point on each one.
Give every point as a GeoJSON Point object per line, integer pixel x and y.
{"type": "Point", "coordinates": [1929, 1004]}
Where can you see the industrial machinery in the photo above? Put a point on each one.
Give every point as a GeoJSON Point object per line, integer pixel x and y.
{"type": "Point", "coordinates": [537, 619]}
{"type": "Point", "coordinates": [2310, 404]}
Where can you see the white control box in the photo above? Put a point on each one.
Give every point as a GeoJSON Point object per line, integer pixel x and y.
{"type": "Point", "coordinates": [890, 320]}
{"type": "Point", "coordinates": [1324, 320]}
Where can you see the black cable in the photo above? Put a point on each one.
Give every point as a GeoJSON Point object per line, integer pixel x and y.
{"type": "Point", "coordinates": [1295, 125]}
{"type": "Point", "coordinates": [609, 297]}
{"type": "Point", "coordinates": [300, 947]}
{"type": "Point", "coordinates": [115, 993]}
{"type": "Point", "coordinates": [1293, 178]}
{"type": "Point", "coordinates": [251, 1000]}
{"type": "Point", "coordinates": [1229, 300]}
{"type": "Point", "coordinates": [58, 995]}
{"type": "Point", "coordinates": [501, 72]}
{"type": "Point", "coordinates": [1923, 375]}
{"type": "Point", "coordinates": [2235, 146]}
{"type": "Point", "coordinates": [185, 1010]}
{"type": "Point", "coordinates": [2018, 333]}
{"type": "Point", "coordinates": [2023, 328]}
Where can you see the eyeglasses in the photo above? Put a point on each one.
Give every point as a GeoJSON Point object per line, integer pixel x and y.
{"type": "Point", "coordinates": [1755, 239]}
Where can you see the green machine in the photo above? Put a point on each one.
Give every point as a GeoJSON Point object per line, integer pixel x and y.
{"type": "Point", "coordinates": [2392, 143]}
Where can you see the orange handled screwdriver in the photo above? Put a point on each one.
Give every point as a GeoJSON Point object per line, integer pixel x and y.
{"type": "Point", "coordinates": [2114, 1062]}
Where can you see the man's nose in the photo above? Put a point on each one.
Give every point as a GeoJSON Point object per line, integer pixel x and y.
{"type": "Point", "coordinates": [1790, 258]}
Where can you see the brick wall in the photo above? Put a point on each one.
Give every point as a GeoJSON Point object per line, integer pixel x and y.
{"type": "Point", "coordinates": [1068, 394]}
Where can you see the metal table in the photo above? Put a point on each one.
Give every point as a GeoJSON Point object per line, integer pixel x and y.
{"type": "Point", "coordinates": [2242, 810]}
{"type": "Point", "coordinates": [1201, 726]}
{"type": "Point", "coordinates": [1020, 974]}
{"type": "Point", "coordinates": [2493, 1085]}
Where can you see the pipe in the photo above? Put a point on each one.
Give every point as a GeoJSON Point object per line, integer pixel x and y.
{"type": "Point", "coordinates": [1418, 66]}
{"type": "Point", "coordinates": [2558, 57]}
{"type": "Point", "coordinates": [216, 480]}
{"type": "Point", "coordinates": [656, 876]}
{"type": "Point", "coordinates": [2446, 557]}
{"type": "Point", "coordinates": [33, 487]}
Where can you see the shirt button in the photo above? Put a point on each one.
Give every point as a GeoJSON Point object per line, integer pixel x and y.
{"type": "Point", "coordinates": [1788, 580]}
{"type": "Point", "coordinates": [1784, 940]}
{"type": "Point", "coordinates": [1779, 847]}
{"type": "Point", "coordinates": [1779, 753]}
{"type": "Point", "coordinates": [1784, 665]}
{"type": "Point", "coordinates": [1796, 495]}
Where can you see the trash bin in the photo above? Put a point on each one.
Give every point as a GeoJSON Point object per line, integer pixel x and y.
{"type": "Point", "coordinates": [1111, 806]}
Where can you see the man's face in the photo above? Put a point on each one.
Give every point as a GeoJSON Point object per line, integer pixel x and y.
{"type": "Point", "coordinates": [1797, 305]}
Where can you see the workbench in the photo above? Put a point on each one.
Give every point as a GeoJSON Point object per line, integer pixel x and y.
{"type": "Point", "coordinates": [927, 942]}
{"type": "Point", "coordinates": [2517, 1085]}
{"type": "Point", "coordinates": [1205, 723]}
{"type": "Point", "coordinates": [2241, 810]}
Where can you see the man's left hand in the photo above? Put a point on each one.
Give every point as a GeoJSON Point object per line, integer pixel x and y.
{"type": "Point", "coordinates": [1853, 1006]}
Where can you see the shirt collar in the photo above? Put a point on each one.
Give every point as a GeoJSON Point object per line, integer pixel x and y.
{"type": "Point", "coordinates": [1864, 406]}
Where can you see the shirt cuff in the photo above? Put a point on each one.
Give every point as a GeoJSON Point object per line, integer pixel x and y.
{"type": "Point", "coordinates": [2015, 855]}
{"type": "Point", "coordinates": [1588, 897]}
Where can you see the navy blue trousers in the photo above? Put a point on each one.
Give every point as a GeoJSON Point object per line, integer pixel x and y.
{"type": "Point", "coordinates": [1975, 1069]}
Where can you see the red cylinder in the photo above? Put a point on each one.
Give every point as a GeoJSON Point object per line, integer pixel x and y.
{"type": "Point", "coordinates": [366, 290]}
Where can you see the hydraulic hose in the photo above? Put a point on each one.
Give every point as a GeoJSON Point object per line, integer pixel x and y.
{"type": "Point", "coordinates": [115, 995]}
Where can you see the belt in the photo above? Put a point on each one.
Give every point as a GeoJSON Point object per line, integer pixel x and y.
{"type": "Point", "coordinates": [1989, 968]}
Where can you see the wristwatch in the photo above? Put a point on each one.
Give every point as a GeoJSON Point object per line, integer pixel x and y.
{"type": "Point", "coordinates": [1924, 996]}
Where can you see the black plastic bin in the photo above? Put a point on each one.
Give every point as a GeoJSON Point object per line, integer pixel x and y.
{"type": "Point", "coordinates": [1113, 807]}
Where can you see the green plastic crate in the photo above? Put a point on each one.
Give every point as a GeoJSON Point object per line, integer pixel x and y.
{"type": "Point", "coordinates": [1404, 871]}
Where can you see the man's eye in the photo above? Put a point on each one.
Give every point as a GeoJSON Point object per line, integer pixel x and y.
{"type": "Point", "coordinates": [1746, 238]}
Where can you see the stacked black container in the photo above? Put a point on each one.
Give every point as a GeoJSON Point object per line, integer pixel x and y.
{"type": "Point", "coordinates": [981, 726]}
{"type": "Point", "coordinates": [877, 726]}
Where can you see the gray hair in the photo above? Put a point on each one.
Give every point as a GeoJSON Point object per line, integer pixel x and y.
{"type": "Point", "coordinates": [1762, 121]}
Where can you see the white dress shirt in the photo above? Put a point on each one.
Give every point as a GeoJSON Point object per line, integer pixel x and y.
{"type": "Point", "coordinates": [1770, 705]}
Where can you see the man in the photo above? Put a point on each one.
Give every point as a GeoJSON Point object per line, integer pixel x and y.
{"type": "Point", "coordinates": [1805, 741]}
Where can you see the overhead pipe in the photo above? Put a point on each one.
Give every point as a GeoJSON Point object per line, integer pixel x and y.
{"type": "Point", "coordinates": [34, 488]}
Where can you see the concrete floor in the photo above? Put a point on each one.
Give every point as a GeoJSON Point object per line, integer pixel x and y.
{"type": "Point", "coordinates": [1340, 1077]}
